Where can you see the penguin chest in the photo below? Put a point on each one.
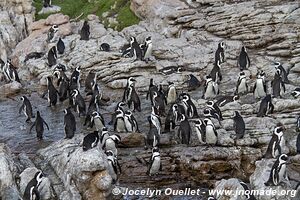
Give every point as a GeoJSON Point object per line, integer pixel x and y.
{"type": "Point", "coordinates": [128, 125]}
{"type": "Point", "coordinates": [281, 172]}
{"type": "Point", "coordinates": [98, 124]}
{"type": "Point", "coordinates": [148, 51]}
{"type": "Point", "coordinates": [199, 135]}
{"type": "Point", "coordinates": [111, 170]}
{"type": "Point", "coordinates": [209, 93]}
{"type": "Point", "coordinates": [260, 91]}
{"type": "Point", "coordinates": [120, 125]}
{"type": "Point", "coordinates": [242, 87]}
{"type": "Point", "coordinates": [211, 138]}
{"type": "Point", "coordinates": [171, 96]}
{"type": "Point", "coordinates": [155, 165]}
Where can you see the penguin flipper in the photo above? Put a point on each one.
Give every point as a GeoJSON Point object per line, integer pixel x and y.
{"type": "Point", "coordinates": [32, 127]}
{"type": "Point", "coordinates": [46, 124]}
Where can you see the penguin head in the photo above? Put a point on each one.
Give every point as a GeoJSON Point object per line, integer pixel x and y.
{"type": "Point", "coordinates": [38, 176]}
{"type": "Point", "coordinates": [131, 81]}
{"type": "Point", "coordinates": [210, 103]}
{"type": "Point", "coordinates": [277, 64]}
{"type": "Point", "coordinates": [211, 198]}
{"type": "Point", "coordinates": [208, 78]}
{"type": "Point", "coordinates": [22, 98]}
{"type": "Point", "coordinates": [128, 113]}
{"type": "Point", "coordinates": [222, 45]}
{"type": "Point", "coordinates": [236, 113]}
{"type": "Point", "coordinates": [38, 113]}
{"type": "Point", "coordinates": [182, 117]}
{"type": "Point", "coordinates": [244, 49]}
{"type": "Point", "coordinates": [148, 40]}
{"type": "Point", "coordinates": [155, 94]}
{"type": "Point", "coordinates": [206, 112]}
{"type": "Point", "coordinates": [154, 110]}
{"type": "Point", "coordinates": [109, 153]}
{"type": "Point", "coordinates": [95, 114]}
{"type": "Point", "coordinates": [198, 122]}
{"type": "Point", "coordinates": [179, 70]}
{"type": "Point", "coordinates": [49, 80]}
{"type": "Point", "coordinates": [85, 23]}
{"type": "Point", "coordinates": [74, 93]}
{"type": "Point", "coordinates": [119, 113]}
{"type": "Point", "coordinates": [116, 138]}
{"type": "Point", "coordinates": [132, 39]}
{"type": "Point", "coordinates": [78, 69]}
{"type": "Point", "coordinates": [283, 158]}
{"type": "Point", "coordinates": [66, 110]}
{"type": "Point", "coordinates": [54, 28]}
{"type": "Point", "coordinates": [236, 97]}
{"type": "Point", "coordinates": [175, 107]}
{"type": "Point", "coordinates": [155, 149]}
{"type": "Point", "coordinates": [278, 129]}
{"type": "Point", "coordinates": [104, 130]}
{"type": "Point", "coordinates": [278, 72]}
{"type": "Point", "coordinates": [121, 104]}
{"type": "Point", "coordinates": [242, 74]}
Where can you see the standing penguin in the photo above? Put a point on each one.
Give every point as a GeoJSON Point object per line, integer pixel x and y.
{"type": "Point", "coordinates": [147, 49]}
{"type": "Point", "coordinates": [155, 119]}
{"type": "Point", "coordinates": [31, 191]}
{"type": "Point", "coordinates": [265, 106]}
{"type": "Point", "coordinates": [282, 72]}
{"type": "Point", "coordinates": [219, 55]}
{"type": "Point", "coordinates": [26, 108]}
{"type": "Point", "coordinates": [243, 60]}
{"type": "Point", "coordinates": [60, 46]}
{"type": "Point", "coordinates": [63, 83]}
{"type": "Point", "coordinates": [75, 79]}
{"type": "Point", "coordinates": [52, 32]}
{"type": "Point", "coordinates": [51, 92]}
{"type": "Point", "coordinates": [111, 144]}
{"type": "Point", "coordinates": [211, 113]}
{"type": "Point", "coordinates": [79, 102]}
{"type": "Point", "coordinates": [130, 95]}
{"type": "Point", "coordinates": [260, 87]}
{"type": "Point", "coordinates": [189, 106]}
{"type": "Point", "coordinates": [200, 131]}
{"type": "Point", "coordinates": [154, 163]}
{"type": "Point", "coordinates": [241, 86]}
{"type": "Point", "coordinates": [277, 85]}
{"type": "Point", "coordinates": [239, 125]}
{"type": "Point", "coordinates": [172, 94]}
{"type": "Point", "coordinates": [152, 138]}
{"type": "Point", "coordinates": [276, 143]}
{"type": "Point", "coordinates": [52, 56]}
{"type": "Point", "coordinates": [119, 124]}
{"type": "Point", "coordinates": [159, 103]}
{"type": "Point", "coordinates": [85, 31]}
{"type": "Point", "coordinates": [216, 72]}
{"type": "Point", "coordinates": [90, 82]}
{"type": "Point", "coordinates": [193, 82]}
{"type": "Point", "coordinates": [130, 122]}
{"type": "Point", "coordinates": [10, 72]}
{"type": "Point", "coordinates": [211, 89]}
{"type": "Point", "coordinates": [90, 140]}
{"type": "Point", "coordinates": [97, 120]}
{"type": "Point", "coordinates": [298, 143]}
{"type": "Point", "coordinates": [135, 49]}
{"type": "Point", "coordinates": [114, 168]}
{"type": "Point", "coordinates": [39, 126]}
{"type": "Point", "coordinates": [184, 131]}
{"type": "Point", "coordinates": [278, 172]}
{"type": "Point", "coordinates": [152, 88]}
{"type": "Point", "coordinates": [211, 134]}
{"type": "Point", "coordinates": [69, 124]}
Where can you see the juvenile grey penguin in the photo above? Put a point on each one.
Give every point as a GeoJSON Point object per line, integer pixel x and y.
{"type": "Point", "coordinates": [239, 125]}
{"type": "Point", "coordinates": [223, 100]}
{"type": "Point", "coordinates": [278, 172]}
{"type": "Point", "coordinates": [243, 60]}
{"type": "Point", "coordinates": [192, 82]}
{"type": "Point", "coordinates": [277, 85]}
{"type": "Point", "coordinates": [260, 87]}
{"type": "Point", "coordinates": [31, 191]}
{"type": "Point", "coordinates": [154, 163]}
{"type": "Point", "coordinates": [26, 108]}
{"type": "Point", "coordinates": [147, 49]}
{"type": "Point", "coordinates": [241, 86]}
{"type": "Point", "coordinates": [120, 106]}
{"type": "Point", "coordinates": [215, 73]}
{"type": "Point", "coordinates": [130, 122]}
{"type": "Point", "coordinates": [211, 89]}
{"type": "Point", "coordinates": [282, 72]}
{"type": "Point", "coordinates": [266, 106]}
{"type": "Point", "coordinates": [172, 93]}
{"type": "Point", "coordinates": [130, 95]}
{"type": "Point", "coordinates": [69, 124]}
{"type": "Point", "coordinates": [296, 93]}
{"type": "Point", "coordinates": [211, 134]}
{"type": "Point", "coordinates": [119, 124]}
{"type": "Point", "coordinates": [60, 46]}
{"type": "Point", "coordinates": [152, 138]}
{"type": "Point", "coordinates": [51, 92]}
{"type": "Point", "coordinates": [184, 131]}
{"type": "Point", "coordinates": [200, 130]}
{"type": "Point", "coordinates": [85, 31]}
{"type": "Point", "coordinates": [276, 143]}
{"type": "Point", "coordinates": [10, 72]}
{"type": "Point", "coordinates": [52, 56]}
{"type": "Point", "coordinates": [90, 140]}
{"type": "Point", "coordinates": [105, 47]}
{"type": "Point", "coordinates": [135, 49]}
{"type": "Point", "coordinates": [219, 55]}
{"type": "Point", "coordinates": [51, 33]}
{"type": "Point", "coordinates": [39, 126]}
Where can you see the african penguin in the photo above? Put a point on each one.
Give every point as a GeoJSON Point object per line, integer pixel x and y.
{"type": "Point", "coordinates": [135, 49]}
{"type": "Point", "coordinates": [215, 107]}
{"type": "Point", "coordinates": [120, 106]}
{"type": "Point", "coordinates": [265, 106]}
{"type": "Point", "coordinates": [172, 94]}
{"type": "Point", "coordinates": [192, 82]}
{"type": "Point", "coordinates": [119, 124]}
{"type": "Point", "coordinates": [282, 72]}
{"type": "Point", "coordinates": [105, 47]}
{"type": "Point", "coordinates": [184, 131]}
{"type": "Point", "coordinates": [51, 92]}
{"type": "Point", "coordinates": [216, 72]}
{"type": "Point", "coordinates": [130, 95]}
{"type": "Point", "coordinates": [69, 124]}
{"type": "Point", "coordinates": [152, 138]}
{"type": "Point", "coordinates": [200, 130]}
{"type": "Point", "coordinates": [277, 85]}
{"type": "Point", "coordinates": [52, 56]}
{"type": "Point", "coordinates": [63, 85]}
{"type": "Point", "coordinates": [241, 86]}
{"type": "Point", "coordinates": [10, 72]}
{"type": "Point", "coordinates": [189, 106]}
{"type": "Point", "coordinates": [219, 55]}
{"type": "Point", "coordinates": [79, 103]}
{"type": "Point", "coordinates": [26, 108]}
{"type": "Point", "coordinates": [31, 191]}
{"type": "Point", "coordinates": [173, 116]}
{"type": "Point", "coordinates": [85, 31]}
{"type": "Point", "coordinates": [211, 134]}
{"type": "Point", "coordinates": [97, 120]}
{"type": "Point", "coordinates": [60, 46]}
{"type": "Point", "coordinates": [159, 103]}
{"type": "Point", "coordinates": [33, 55]}
{"type": "Point", "coordinates": [111, 144]}
{"type": "Point", "coordinates": [278, 172]}
{"type": "Point", "coordinates": [151, 89]}
{"type": "Point", "coordinates": [90, 140]}
{"type": "Point", "coordinates": [52, 33]}
{"type": "Point", "coordinates": [147, 49]}
{"type": "Point", "coordinates": [155, 119]}
{"type": "Point", "coordinates": [243, 60]}
{"type": "Point", "coordinates": [247, 193]}
{"type": "Point", "coordinates": [75, 79]}
{"type": "Point", "coordinates": [155, 164]}
{"type": "Point", "coordinates": [223, 100]}
{"type": "Point", "coordinates": [296, 92]}
{"type": "Point", "coordinates": [130, 122]}
{"type": "Point", "coordinates": [276, 143]}
{"type": "Point", "coordinates": [211, 88]}
{"type": "Point", "coordinates": [260, 86]}
{"type": "Point", "coordinates": [39, 126]}
{"type": "Point", "coordinates": [239, 125]}
{"type": "Point", "coordinates": [114, 168]}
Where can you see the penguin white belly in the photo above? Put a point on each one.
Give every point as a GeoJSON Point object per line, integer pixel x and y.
{"type": "Point", "coordinates": [210, 135]}
{"type": "Point", "coordinates": [155, 165]}
{"type": "Point", "coordinates": [128, 125]}
{"type": "Point", "coordinates": [171, 96]}
{"type": "Point", "coordinates": [98, 124]}
{"type": "Point", "coordinates": [259, 91]}
{"type": "Point", "coordinates": [111, 170]}
{"type": "Point", "coordinates": [209, 93]}
{"type": "Point", "coordinates": [104, 139]}
{"type": "Point", "coordinates": [111, 146]}
{"type": "Point", "coordinates": [199, 135]}
{"type": "Point", "coordinates": [242, 87]}
{"type": "Point", "coordinates": [149, 51]}
{"type": "Point", "coordinates": [120, 125]}
{"type": "Point", "coordinates": [281, 173]}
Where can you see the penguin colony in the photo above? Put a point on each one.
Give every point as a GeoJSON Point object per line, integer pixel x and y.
{"type": "Point", "coordinates": [176, 108]}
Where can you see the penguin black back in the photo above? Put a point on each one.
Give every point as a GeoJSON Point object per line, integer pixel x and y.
{"type": "Point", "coordinates": [243, 60]}
{"type": "Point", "coordinates": [90, 141]}
{"type": "Point", "coordinates": [60, 46]}
{"type": "Point", "coordinates": [85, 31]}
{"type": "Point", "coordinates": [239, 125]}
